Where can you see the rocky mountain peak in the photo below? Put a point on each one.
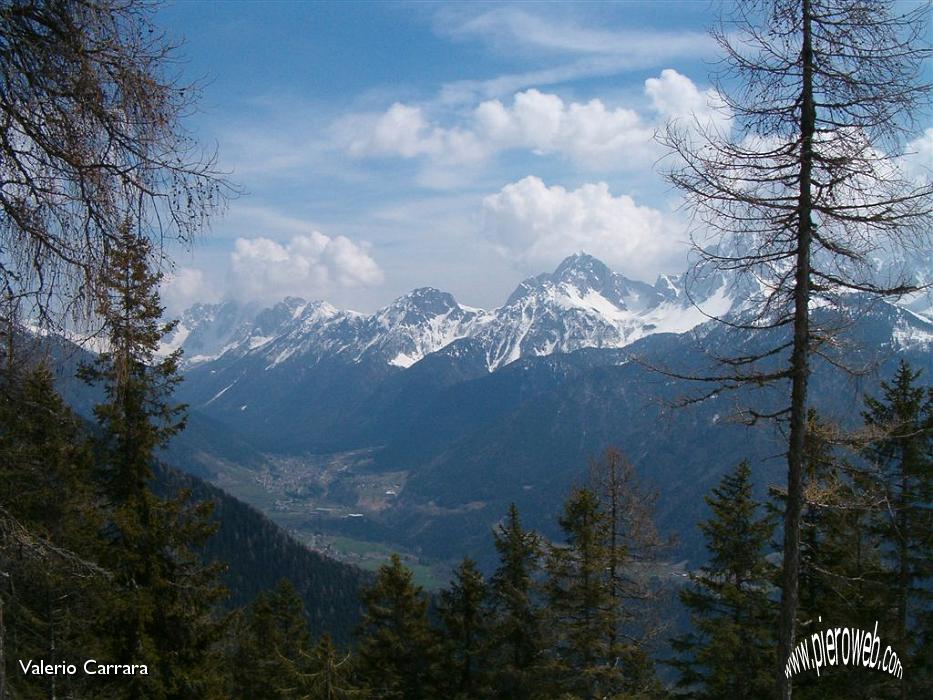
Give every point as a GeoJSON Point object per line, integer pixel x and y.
{"type": "Point", "coordinates": [580, 271]}
{"type": "Point", "coordinates": [583, 271]}
{"type": "Point", "coordinates": [582, 304]}
{"type": "Point", "coordinates": [417, 307]}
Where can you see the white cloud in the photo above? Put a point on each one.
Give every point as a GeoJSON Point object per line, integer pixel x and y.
{"type": "Point", "coordinates": [533, 121]}
{"type": "Point", "coordinates": [676, 97]}
{"type": "Point", "coordinates": [557, 31]}
{"type": "Point", "coordinates": [918, 162]}
{"type": "Point", "coordinates": [590, 134]}
{"type": "Point", "coordinates": [403, 131]}
{"type": "Point", "coordinates": [573, 42]}
{"type": "Point", "coordinates": [309, 265]}
{"type": "Point", "coordinates": [537, 226]}
{"type": "Point", "coordinates": [468, 91]}
{"type": "Point", "coordinates": [184, 287]}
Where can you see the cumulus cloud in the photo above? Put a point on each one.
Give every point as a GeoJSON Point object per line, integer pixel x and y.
{"type": "Point", "coordinates": [589, 133]}
{"type": "Point", "coordinates": [537, 226]}
{"type": "Point", "coordinates": [184, 287]}
{"type": "Point", "coordinates": [676, 97]}
{"type": "Point", "coordinates": [403, 131]}
{"type": "Point", "coordinates": [310, 265]}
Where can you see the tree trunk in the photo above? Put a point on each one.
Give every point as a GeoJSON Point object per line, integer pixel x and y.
{"type": "Point", "coordinates": [612, 463]}
{"type": "Point", "coordinates": [2, 657]}
{"type": "Point", "coordinates": [800, 362]}
{"type": "Point", "coordinates": [903, 554]}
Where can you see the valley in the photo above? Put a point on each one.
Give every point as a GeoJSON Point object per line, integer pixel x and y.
{"type": "Point", "coordinates": [314, 497]}
{"type": "Point", "coordinates": [358, 454]}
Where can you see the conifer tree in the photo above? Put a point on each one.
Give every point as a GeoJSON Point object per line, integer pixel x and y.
{"type": "Point", "coordinates": [48, 584]}
{"type": "Point", "coordinates": [137, 417]}
{"type": "Point", "coordinates": [516, 636]}
{"type": "Point", "coordinates": [463, 612]}
{"type": "Point", "coordinates": [821, 485]}
{"type": "Point", "coordinates": [324, 674]}
{"type": "Point", "coordinates": [270, 640]}
{"type": "Point", "coordinates": [902, 458]}
{"type": "Point", "coordinates": [633, 546]}
{"type": "Point", "coordinates": [398, 650]}
{"type": "Point", "coordinates": [162, 615]}
{"type": "Point", "coordinates": [828, 493]}
{"type": "Point", "coordinates": [45, 461]}
{"type": "Point", "coordinates": [841, 571]}
{"type": "Point", "coordinates": [579, 601]}
{"type": "Point", "coordinates": [729, 653]}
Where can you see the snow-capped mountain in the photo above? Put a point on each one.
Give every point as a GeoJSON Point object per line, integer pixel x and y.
{"type": "Point", "coordinates": [461, 411]}
{"type": "Point", "coordinates": [207, 331]}
{"type": "Point", "coordinates": [582, 304]}
{"type": "Point", "coordinates": [400, 334]}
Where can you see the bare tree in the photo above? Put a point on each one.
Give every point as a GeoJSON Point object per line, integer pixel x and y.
{"type": "Point", "coordinates": [806, 194]}
{"type": "Point", "coordinates": [634, 548]}
{"type": "Point", "coordinates": [91, 137]}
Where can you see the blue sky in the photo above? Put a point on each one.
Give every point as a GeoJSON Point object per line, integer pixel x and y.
{"type": "Point", "coordinates": [384, 146]}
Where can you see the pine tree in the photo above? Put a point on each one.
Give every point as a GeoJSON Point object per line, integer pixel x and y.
{"type": "Point", "coordinates": [323, 674]}
{"type": "Point", "coordinates": [902, 458]}
{"type": "Point", "coordinates": [45, 461]}
{"type": "Point", "coordinates": [137, 417]}
{"type": "Point", "coordinates": [633, 546]}
{"type": "Point", "coordinates": [516, 637]}
{"type": "Point", "coordinates": [827, 493]}
{"type": "Point", "coordinates": [398, 650]}
{"type": "Point", "coordinates": [49, 585]}
{"type": "Point", "coordinates": [463, 612]}
{"type": "Point", "coordinates": [580, 606]}
{"type": "Point", "coordinates": [162, 615]}
{"type": "Point", "coordinates": [729, 653]}
{"type": "Point", "coordinates": [821, 486]}
{"type": "Point", "coordinates": [841, 572]}
{"type": "Point", "coordinates": [270, 640]}
{"type": "Point", "coordinates": [840, 566]}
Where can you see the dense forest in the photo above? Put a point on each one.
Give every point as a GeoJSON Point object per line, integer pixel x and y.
{"type": "Point", "coordinates": [164, 587]}
{"type": "Point", "coordinates": [582, 617]}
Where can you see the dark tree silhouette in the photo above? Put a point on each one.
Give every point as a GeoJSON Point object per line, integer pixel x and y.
{"type": "Point", "coordinates": [91, 121]}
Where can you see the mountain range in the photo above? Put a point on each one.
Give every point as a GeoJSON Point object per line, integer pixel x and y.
{"type": "Point", "coordinates": [581, 304]}
{"type": "Point", "coordinates": [417, 425]}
